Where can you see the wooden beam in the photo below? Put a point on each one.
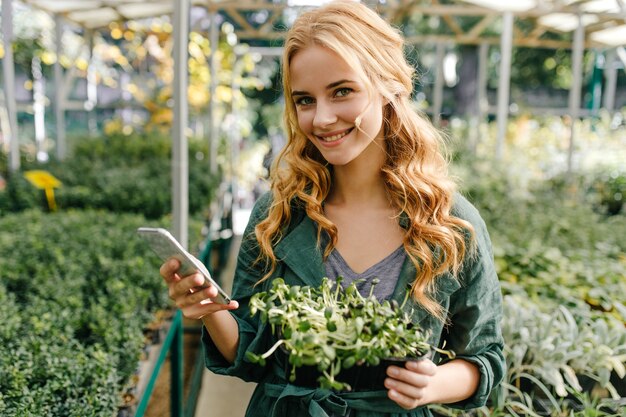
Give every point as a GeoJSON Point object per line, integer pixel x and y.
{"type": "Point", "coordinates": [450, 21]}
{"type": "Point", "coordinates": [595, 27]}
{"type": "Point", "coordinates": [481, 26]}
{"type": "Point", "coordinates": [495, 40]}
{"type": "Point", "coordinates": [239, 19]}
{"type": "Point", "coordinates": [537, 31]}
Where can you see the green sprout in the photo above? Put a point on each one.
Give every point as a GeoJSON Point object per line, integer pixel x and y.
{"type": "Point", "coordinates": [333, 329]}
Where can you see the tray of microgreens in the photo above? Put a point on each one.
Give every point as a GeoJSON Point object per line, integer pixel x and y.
{"type": "Point", "coordinates": [334, 329]}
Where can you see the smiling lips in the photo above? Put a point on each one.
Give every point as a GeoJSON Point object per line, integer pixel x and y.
{"type": "Point", "coordinates": [335, 137]}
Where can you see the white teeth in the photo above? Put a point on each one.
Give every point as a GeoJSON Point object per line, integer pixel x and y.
{"type": "Point", "coordinates": [334, 137]}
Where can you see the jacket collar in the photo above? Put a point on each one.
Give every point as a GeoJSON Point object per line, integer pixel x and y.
{"type": "Point", "coordinates": [299, 251]}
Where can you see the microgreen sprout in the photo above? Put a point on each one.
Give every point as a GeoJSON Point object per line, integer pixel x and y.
{"type": "Point", "coordinates": [333, 329]}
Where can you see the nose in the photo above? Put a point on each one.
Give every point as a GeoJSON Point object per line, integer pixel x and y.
{"type": "Point", "coordinates": [324, 115]}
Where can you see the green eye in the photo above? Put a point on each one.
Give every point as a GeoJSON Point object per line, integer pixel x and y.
{"type": "Point", "coordinates": [342, 92]}
{"type": "Point", "coordinates": [304, 101]}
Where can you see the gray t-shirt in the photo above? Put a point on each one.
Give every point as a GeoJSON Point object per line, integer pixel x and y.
{"type": "Point", "coordinates": [387, 271]}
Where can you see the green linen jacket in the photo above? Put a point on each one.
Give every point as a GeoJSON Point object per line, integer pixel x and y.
{"type": "Point", "coordinates": [473, 302]}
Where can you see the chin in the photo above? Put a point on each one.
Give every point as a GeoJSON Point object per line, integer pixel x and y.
{"type": "Point", "coordinates": [337, 162]}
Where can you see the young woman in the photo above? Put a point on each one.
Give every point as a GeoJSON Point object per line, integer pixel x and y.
{"type": "Point", "coordinates": [360, 190]}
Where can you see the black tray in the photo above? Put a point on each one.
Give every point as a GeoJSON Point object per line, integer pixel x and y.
{"type": "Point", "coordinates": [359, 377]}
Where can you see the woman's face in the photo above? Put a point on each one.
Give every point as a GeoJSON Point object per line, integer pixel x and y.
{"type": "Point", "coordinates": [329, 96]}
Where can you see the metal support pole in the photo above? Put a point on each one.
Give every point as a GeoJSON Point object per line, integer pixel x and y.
{"type": "Point", "coordinates": [482, 103]}
{"type": "Point", "coordinates": [610, 71]}
{"type": "Point", "coordinates": [39, 109]}
{"type": "Point", "coordinates": [8, 68]}
{"type": "Point", "coordinates": [235, 131]}
{"type": "Point", "coordinates": [575, 93]}
{"type": "Point", "coordinates": [92, 87]}
{"type": "Point", "coordinates": [438, 88]}
{"type": "Point", "coordinates": [180, 153]}
{"type": "Point", "coordinates": [213, 124]}
{"type": "Point", "coordinates": [59, 90]}
{"type": "Point", "coordinates": [482, 100]}
{"type": "Point", "coordinates": [504, 83]}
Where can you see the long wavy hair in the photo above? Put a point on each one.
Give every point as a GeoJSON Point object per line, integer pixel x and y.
{"type": "Point", "coordinates": [415, 171]}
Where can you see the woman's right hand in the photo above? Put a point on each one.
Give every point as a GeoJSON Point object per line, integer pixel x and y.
{"type": "Point", "coordinates": [194, 302]}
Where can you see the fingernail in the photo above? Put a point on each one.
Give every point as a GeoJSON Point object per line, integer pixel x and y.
{"type": "Point", "coordinates": [392, 371]}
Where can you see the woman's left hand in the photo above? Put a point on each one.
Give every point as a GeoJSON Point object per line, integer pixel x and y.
{"type": "Point", "coordinates": [408, 386]}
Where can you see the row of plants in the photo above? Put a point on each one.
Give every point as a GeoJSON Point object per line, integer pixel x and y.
{"type": "Point", "coordinates": [562, 267]}
{"type": "Point", "coordinates": [77, 292]}
{"type": "Point", "coordinates": [552, 245]}
{"type": "Point", "coordinates": [118, 173]}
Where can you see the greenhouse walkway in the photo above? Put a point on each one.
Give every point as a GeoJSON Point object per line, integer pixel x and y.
{"type": "Point", "coordinates": [223, 396]}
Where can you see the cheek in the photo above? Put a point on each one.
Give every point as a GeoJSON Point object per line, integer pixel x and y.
{"type": "Point", "coordinates": [375, 114]}
{"type": "Point", "coordinates": [304, 121]}
{"type": "Point", "coordinates": [348, 112]}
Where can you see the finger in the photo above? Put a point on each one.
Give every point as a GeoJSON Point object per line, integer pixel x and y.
{"type": "Point", "coordinates": [422, 366]}
{"type": "Point", "coordinates": [186, 286]}
{"type": "Point", "coordinates": [199, 310]}
{"type": "Point", "coordinates": [402, 400]}
{"type": "Point", "coordinates": [202, 296]}
{"type": "Point", "coordinates": [168, 269]}
{"type": "Point", "coordinates": [233, 305]}
{"type": "Point", "coordinates": [406, 390]}
{"type": "Point", "coordinates": [193, 298]}
{"type": "Point", "coordinates": [409, 377]}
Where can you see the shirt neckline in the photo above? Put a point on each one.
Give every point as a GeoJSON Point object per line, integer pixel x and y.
{"type": "Point", "coordinates": [337, 255]}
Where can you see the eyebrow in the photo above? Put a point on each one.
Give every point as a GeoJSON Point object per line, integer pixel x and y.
{"type": "Point", "coordinates": [328, 87]}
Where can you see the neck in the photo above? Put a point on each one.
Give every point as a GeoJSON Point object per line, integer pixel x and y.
{"type": "Point", "coordinates": [359, 182]}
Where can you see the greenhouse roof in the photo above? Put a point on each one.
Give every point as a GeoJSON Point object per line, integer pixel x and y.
{"type": "Point", "coordinates": [94, 14]}
{"type": "Point", "coordinates": [604, 20]}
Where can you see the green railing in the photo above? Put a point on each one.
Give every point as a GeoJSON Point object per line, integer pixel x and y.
{"type": "Point", "coordinates": [174, 342]}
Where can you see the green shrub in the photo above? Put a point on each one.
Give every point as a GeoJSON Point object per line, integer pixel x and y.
{"type": "Point", "coordinates": [117, 173]}
{"type": "Point", "coordinates": [609, 189]}
{"type": "Point", "coordinates": [19, 195]}
{"type": "Point", "coordinates": [76, 291]}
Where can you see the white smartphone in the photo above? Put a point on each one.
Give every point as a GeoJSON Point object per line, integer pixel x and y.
{"type": "Point", "coordinates": [166, 246]}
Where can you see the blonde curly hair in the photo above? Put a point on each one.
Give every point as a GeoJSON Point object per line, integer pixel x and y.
{"type": "Point", "coordinates": [415, 170]}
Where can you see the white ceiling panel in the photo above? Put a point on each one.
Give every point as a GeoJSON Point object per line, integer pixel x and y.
{"type": "Point", "coordinates": [566, 22]}
{"type": "Point", "coordinates": [139, 10]}
{"type": "Point", "coordinates": [615, 36]}
{"type": "Point", "coordinates": [94, 18]}
{"type": "Point", "coordinates": [505, 6]}
{"type": "Point", "coordinates": [64, 6]}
